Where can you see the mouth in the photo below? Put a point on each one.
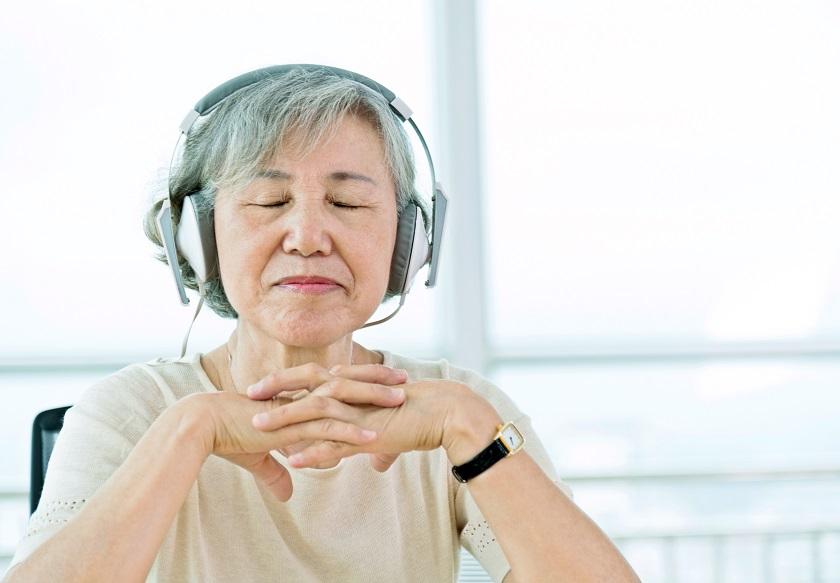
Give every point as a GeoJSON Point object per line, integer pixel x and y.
{"type": "Point", "coordinates": [314, 285]}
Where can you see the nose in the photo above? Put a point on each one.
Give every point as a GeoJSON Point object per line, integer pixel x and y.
{"type": "Point", "coordinates": [306, 227]}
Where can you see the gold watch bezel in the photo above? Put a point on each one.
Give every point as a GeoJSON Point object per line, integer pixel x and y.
{"type": "Point", "coordinates": [500, 435]}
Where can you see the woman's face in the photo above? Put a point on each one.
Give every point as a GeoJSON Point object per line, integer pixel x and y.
{"type": "Point", "coordinates": [296, 219]}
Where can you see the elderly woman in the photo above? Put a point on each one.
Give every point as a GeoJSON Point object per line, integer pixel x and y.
{"type": "Point", "coordinates": [181, 469]}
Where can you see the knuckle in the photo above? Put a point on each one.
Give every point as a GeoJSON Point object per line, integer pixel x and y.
{"type": "Point", "coordinates": [328, 426]}
{"type": "Point", "coordinates": [329, 388]}
{"type": "Point", "coordinates": [297, 433]}
{"type": "Point", "coordinates": [391, 394]}
{"type": "Point", "coordinates": [314, 369]}
{"type": "Point", "coordinates": [320, 403]}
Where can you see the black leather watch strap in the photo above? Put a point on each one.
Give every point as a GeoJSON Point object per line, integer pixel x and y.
{"type": "Point", "coordinates": [485, 459]}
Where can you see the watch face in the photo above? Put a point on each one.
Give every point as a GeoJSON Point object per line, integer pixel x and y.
{"type": "Point", "coordinates": [512, 438]}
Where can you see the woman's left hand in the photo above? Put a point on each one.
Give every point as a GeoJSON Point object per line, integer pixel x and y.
{"type": "Point", "coordinates": [381, 462]}
{"type": "Point", "coordinates": [422, 422]}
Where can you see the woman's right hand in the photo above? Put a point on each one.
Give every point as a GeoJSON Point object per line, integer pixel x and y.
{"type": "Point", "coordinates": [230, 432]}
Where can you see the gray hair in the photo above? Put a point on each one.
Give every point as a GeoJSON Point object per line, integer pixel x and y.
{"type": "Point", "coordinates": [229, 147]}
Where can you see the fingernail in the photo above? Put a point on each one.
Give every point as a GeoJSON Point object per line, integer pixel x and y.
{"type": "Point", "coordinates": [402, 372]}
{"type": "Point", "coordinates": [296, 459]}
{"type": "Point", "coordinates": [260, 419]}
{"type": "Point", "coordinates": [397, 393]}
{"type": "Point", "coordinates": [253, 389]}
{"type": "Point", "coordinates": [368, 434]}
{"type": "Point", "coordinates": [334, 369]}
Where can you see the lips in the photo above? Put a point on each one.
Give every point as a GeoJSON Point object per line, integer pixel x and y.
{"type": "Point", "coordinates": [308, 285]}
{"type": "Point", "coordinates": [307, 279]}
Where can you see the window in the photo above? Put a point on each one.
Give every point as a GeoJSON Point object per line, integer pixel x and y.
{"type": "Point", "coordinates": [663, 269]}
{"type": "Point", "coordinates": [93, 120]}
{"type": "Point", "coordinates": [661, 175]}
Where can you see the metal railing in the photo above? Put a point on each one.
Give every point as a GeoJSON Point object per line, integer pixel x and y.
{"type": "Point", "coordinates": [667, 542]}
{"type": "Point", "coordinates": [811, 568]}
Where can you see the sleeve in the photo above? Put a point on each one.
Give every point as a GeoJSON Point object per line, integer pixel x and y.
{"type": "Point", "coordinates": [98, 433]}
{"type": "Point", "coordinates": [474, 532]}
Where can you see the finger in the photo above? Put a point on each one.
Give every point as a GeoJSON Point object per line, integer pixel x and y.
{"type": "Point", "coordinates": [323, 430]}
{"type": "Point", "coordinates": [294, 448]}
{"type": "Point", "coordinates": [361, 393]}
{"type": "Point", "coordinates": [274, 477]}
{"type": "Point", "coordinates": [325, 465]}
{"type": "Point", "coordinates": [382, 461]}
{"type": "Point", "coordinates": [306, 376]}
{"type": "Point", "coordinates": [322, 454]}
{"type": "Point", "coordinates": [307, 409]}
{"type": "Point", "coordinates": [372, 373]}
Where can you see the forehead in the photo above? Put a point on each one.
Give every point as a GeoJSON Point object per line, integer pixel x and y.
{"type": "Point", "coordinates": [351, 143]}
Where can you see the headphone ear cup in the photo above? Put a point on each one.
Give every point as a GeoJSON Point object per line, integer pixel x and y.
{"type": "Point", "coordinates": [196, 239]}
{"type": "Point", "coordinates": [166, 232]}
{"type": "Point", "coordinates": [411, 250]}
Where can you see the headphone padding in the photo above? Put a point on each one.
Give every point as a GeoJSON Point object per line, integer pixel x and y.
{"type": "Point", "coordinates": [411, 250]}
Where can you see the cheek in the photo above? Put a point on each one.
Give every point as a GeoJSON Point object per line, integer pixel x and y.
{"type": "Point", "coordinates": [379, 271]}
{"type": "Point", "coordinates": [368, 259]}
{"type": "Point", "coordinates": [376, 257]}
{"type": "Point", "coordinates": [241, 257]}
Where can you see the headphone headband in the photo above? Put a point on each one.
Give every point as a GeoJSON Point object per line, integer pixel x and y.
{"type": "Point", "coordinates": [209, 102]}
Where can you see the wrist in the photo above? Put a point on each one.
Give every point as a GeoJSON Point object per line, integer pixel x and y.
{"type": "Point", "coordinates": [189, 420]}
{"type": "Point", "coordinates": [472, 426]}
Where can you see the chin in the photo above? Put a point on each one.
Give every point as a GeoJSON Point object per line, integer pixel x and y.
{"type": "Point", "coordinates": [311, 329]}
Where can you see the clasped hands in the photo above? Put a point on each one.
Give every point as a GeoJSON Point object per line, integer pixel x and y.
{"type": "Point", "coordinates": [347, 410]}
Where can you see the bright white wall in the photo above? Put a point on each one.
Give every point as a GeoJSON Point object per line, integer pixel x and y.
{"type": "Point", "coordinates": [662, 174]}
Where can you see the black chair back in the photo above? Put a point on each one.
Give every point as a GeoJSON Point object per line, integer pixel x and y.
{"type": "Point", "coordinates": [45, 431]}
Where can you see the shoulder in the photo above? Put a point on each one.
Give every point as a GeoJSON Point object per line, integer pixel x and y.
{"type": "Point", "coordinates": [139, 390]}
{"type": "Point", "coordinates": [129, 388]}
{"type": "Point", "coordinates": [443, 369]}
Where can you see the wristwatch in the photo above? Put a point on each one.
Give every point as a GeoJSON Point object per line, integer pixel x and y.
{"type": "Point", "coordinates": [508, 441]}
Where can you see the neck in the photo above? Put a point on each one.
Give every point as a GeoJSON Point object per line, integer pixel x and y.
{"type": "Point", "coordinates": [253, 356]}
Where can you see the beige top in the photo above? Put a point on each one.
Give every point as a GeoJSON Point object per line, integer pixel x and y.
{"type": "Point", "coordinates": [346, 523]}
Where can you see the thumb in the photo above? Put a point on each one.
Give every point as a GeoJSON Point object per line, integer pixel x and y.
{"type": "Point", "coordinates": [273, 476]}
{"type": "Point", "coordinates": [382, 461]}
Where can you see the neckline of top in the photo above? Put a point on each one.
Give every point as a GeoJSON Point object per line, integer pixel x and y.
{"type": "Point", "coordinates": [208, 386]}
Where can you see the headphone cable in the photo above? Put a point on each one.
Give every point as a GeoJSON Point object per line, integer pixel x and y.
{"type": "Point", "coordinates": [394, 313]}
{"type": "Point", "coordinates": [201, 290]}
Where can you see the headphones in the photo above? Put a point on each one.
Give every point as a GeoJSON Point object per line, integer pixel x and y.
{"type": "Point", "coordinates": [193, 237]}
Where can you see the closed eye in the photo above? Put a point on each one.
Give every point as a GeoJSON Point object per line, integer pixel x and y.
{"type": "Point", "coordinates": [335, 203]}
{"type": "Point", "coordinates": [341, 205]}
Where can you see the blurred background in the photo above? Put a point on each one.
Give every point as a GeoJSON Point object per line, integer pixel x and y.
{"type": "Point", "coordinates": [642, 249]}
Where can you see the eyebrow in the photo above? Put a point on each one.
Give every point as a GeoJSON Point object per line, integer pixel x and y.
{"type": "Point", "coordinates": [335, 176]}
